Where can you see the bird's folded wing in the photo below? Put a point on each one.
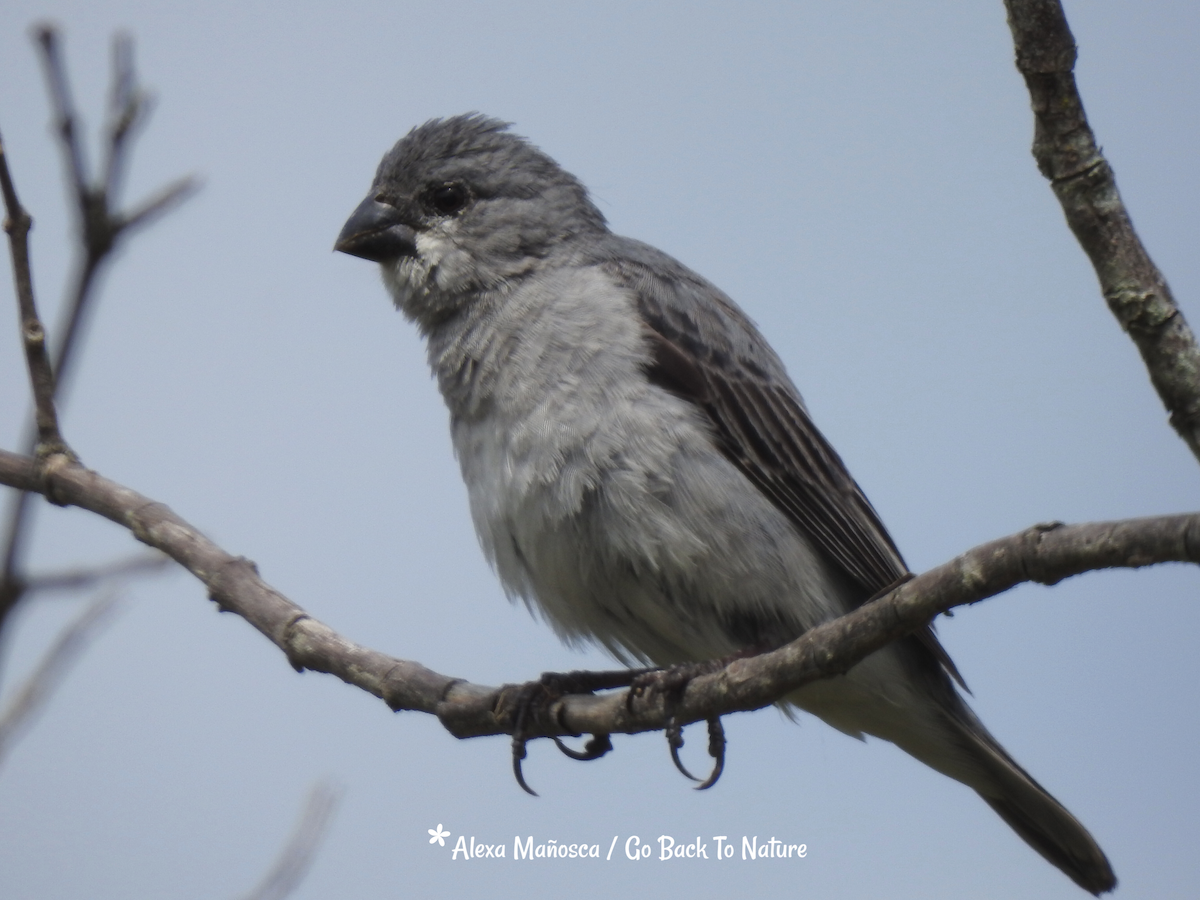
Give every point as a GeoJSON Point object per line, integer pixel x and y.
{"type": "Point", "coordinates": [706, 351]}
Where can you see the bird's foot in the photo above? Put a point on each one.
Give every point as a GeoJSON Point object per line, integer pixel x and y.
{"type": "Point", "coordinates": [533, 717]}
{"type": "Point", "coordinates": [671, 683]}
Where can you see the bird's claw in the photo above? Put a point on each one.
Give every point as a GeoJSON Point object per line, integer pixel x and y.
{"type": "Point", "coordinates": [518, 754]}
{"type": "Point", "coordinates": [534, 698]}
{"type": "Point", "coordinates": [533, 701]}
{"type": "Point", "coordinates": [675, 740]}
{"type": "Point", "coordinates": [671, 683]}
{"type": "Point", "coordinates": [716, 749]}
{"type": "Point", "coordinates": [519, 739]}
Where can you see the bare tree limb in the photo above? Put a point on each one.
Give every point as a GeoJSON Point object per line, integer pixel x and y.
{"type": "Point", "coordinates": [129, 106]}
{"type": "Point", "coordinates": [298, 854]}
{"type": "Point", "coordinates": [160, 203]}
{"type": "Point", "coordinates": [47, 439]}
{"type": "Point", "coordinates": [33, 694]}
{"type": "Point", "coordinates": [101, 228]}
{"type": "Point", "coordinates": [1045, 554]}
{"type": "Point", "coordinates": [17, 223]}
{"type": "Point", "coordinates": [1067, 154]}
{"type": "Point", "coordinates": [90, 576]}
{"type": "Point", "coordinates": [64, 108]}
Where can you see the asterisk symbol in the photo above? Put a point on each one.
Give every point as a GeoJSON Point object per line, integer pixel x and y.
{"type": "Point", "coordinates": [439, 835]}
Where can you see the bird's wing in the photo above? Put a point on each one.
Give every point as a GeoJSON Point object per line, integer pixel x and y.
{"type": "Point", "coordinates": [707, 351]}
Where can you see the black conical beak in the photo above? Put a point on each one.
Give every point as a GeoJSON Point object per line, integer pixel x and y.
{"type": "Point", "coordinates": [374, 231]}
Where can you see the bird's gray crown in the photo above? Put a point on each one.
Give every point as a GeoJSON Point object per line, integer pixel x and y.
{"type": "Point", "coordinates": [479, 151]}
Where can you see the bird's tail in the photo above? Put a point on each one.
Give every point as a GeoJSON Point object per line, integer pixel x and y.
{"type": "Point", "coordinates": [918, 710]}
{"type": "Point", "coordinates": [1028, 808]}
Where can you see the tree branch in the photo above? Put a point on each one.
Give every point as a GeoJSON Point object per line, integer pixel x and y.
{"type": "Point", "coordinates": [47, 439]}
{"type": "Point", "coordinates": [1066, 153]}
{"type": "Point", "coordinates": [84, 577]}
{"type": "Point", "coordinates": [101, 229]}
{"type": "Point", "coordinates": [17, 223]}
{"type": "Point", "coordinates": [298, 854]}
{"type": "Point", "coordinates": [32, 695]}
{"type": "Point", "coordinates": [1045, 554]}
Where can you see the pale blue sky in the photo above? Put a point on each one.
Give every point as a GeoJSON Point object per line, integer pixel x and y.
{"type": "Point", "coordinates": [857, 175]}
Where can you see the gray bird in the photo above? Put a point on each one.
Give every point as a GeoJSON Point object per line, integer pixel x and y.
{"type": "Point", "coordinates": [639, 465]}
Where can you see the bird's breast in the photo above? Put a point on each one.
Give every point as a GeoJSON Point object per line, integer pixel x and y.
{"type": "Point", "coordinates": [602, 498]}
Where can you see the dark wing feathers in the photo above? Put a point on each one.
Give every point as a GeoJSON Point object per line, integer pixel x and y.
{"type": "Point", "coordinates": [762, 426]}
{"type": "Point", "coordinates": [707, 352]}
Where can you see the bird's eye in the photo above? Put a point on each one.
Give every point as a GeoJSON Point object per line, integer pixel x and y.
{"type": "Point", "coordinates": [448, 199]}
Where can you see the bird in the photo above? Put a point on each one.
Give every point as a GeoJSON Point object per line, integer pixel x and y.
{"type": "Point", "coordinates": [639, 466]}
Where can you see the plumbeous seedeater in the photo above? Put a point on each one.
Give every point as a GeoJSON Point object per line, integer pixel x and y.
{"type": "Point", "coordinates": [640, 467]}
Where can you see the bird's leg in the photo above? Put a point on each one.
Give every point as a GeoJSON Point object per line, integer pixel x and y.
{"type": "Point", "coordinates": [532, 706]}
{"type": "Point", "coordinates": [716, 749]}
{"type": "Point", "coordinates": [671, 683]}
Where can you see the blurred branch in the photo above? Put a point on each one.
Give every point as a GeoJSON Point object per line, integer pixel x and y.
{"type": "Point", "coordinates": [1044, 554]}
{"type": "Point", "coordinates": [1066, 153]}
{"type": "Point", "coordinates": [301, 849]}
{"type": "Point", "coordinates": [101, 229]}
{"type": "Point", "coordinates": [90, 576]}
{"type": "Point", "coordinates": [32, 695]}
{"type": "Point", "coordinates": [129, 106]}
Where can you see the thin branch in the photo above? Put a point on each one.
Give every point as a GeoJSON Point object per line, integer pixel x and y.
{"type": "Point", "coordinates": [33, 694]}
{"type": "Point", "coordinates": [65, 119]}
{"type": "Point", "coordinates": [1067, 154]}
{"type": "Point", "coordinates": [160, 203]}
{"type": "Point", "coordinates": [91, 576]}
{"type": "Point", "coordinates": [301, 849]}
{"type": "Point", "coordinates": [17, 223]}
{"type": "Point", "coordinates": [47, 439]}
{"type": "Point", "coordinates": [101, 229]}
{"type": "Point", "coordinates": [129, 106]}
{"type": "Point", "coordinates": [1045, 554]}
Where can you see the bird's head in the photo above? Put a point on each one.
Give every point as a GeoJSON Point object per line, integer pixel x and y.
{"type": "Point", "coordinates": [461, 206]}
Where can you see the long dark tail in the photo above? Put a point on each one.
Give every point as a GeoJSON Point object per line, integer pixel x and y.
{"type": "Point", "coordinates": [1040, 820]}
{"type": "Point", "coordinates": [937, 727]}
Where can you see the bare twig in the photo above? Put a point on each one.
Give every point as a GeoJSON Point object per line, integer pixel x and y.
{"type": "Point", "coordinates": [1044, 554]}
{"type": "Point", "coordinates": [91, 576]}
{"type": "Point", "coordinates": [129, 106]}
{"type": "Point", "coordinates": [159, 203]}
{"type": "Point", "coordinates": [1083, 181]}
{"type": "Point", "coordinates": [17, 223]}
{"type": "Point", "coordinates": [32, 695]}
{"type": "Point", "coordinates": [298, 854]}
{"type": "Point", "coordinates": [100, 226]}
{"type": "Point", "coordinates": [64, 108]}
{"type": "Point", "coordinates": [101, 229]}
{"type": "Point", "coordinates": [47, 439]}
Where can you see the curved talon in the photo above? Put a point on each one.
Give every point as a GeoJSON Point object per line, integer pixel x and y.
{"type": "Point", "coordinates": [593, 749]}
{"type": "Point", "coordinates": [518, 748]}
{"type": "Point", "coordinates": [716, 749]}
{"type": "Point", "coordinates": [518, 754]}
{"type": "Point", "coordinates": [675, 740]}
